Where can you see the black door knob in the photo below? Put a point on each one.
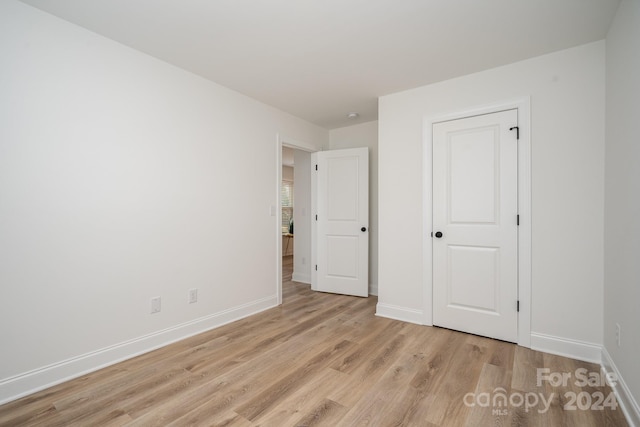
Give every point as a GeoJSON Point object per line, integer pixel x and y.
{"type": "Point", "coordinates": [438, 234]}
{"type": "Point", "coordinates": [363, 229]}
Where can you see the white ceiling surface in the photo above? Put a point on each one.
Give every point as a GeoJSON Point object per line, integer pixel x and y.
{"type": "Point", "coordinates": [320, 59]}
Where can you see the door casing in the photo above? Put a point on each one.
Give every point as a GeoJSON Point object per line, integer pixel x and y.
{"type": "Point", "coordinates": [524, 208]}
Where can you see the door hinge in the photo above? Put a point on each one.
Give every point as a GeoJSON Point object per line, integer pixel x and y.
{"type": "Point", "coordinates": [517, 128]}
{"type": "Point", "coordinates": [518, 306]}
{"type": "Point", "coordinates": [517, 219]}
{"type": "Point", "coordinates": [316, 267]}
{"type": "Point", "coordinates": [316, 217]}
{"type": "Point", "coordinates": [316, 167]}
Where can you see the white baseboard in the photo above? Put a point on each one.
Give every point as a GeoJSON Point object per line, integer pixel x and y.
{"type": "Point", "coordinates": [39, 379]}
{"type": "Point", "coordinates": [625, 399]}
{"type": "Point", "coordinates": [399, 313]}
{"type": "Point", "coordinates": [301, 277]}
{"type": "Point", "coordinates": [581, 350]}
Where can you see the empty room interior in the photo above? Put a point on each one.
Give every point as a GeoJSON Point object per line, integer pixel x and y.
{"type": "Point", "coordinates": [288, 213]}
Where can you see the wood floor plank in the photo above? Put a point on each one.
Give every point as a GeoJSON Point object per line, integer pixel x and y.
{"type": "Point", "coordinates": [317, 360]}
{"type": "Point", "coordinates": [326, 413]}
{"type": "Point", "coordinates": [102, 408]}
{"type": "Point", "coordinates": [386, 402]}
{"type": "Point", "coordinates": [234, 386]}
{"type": "Point", "coordinates": [305, 400]}
{"type": "Point", "coordinates": [366, 365]}
{"type": "Point", "coordinates": [462, 376]}
{"type": "Point", "coordinates": [211, 391]}
{"type": "Point", "coordinates": [494, 380]}
{"type": "Point", "coordinates": [289, 383]}
{"type": "Point", "coordinates": [525, 365]}
{"type": "Point", "coordinates": [437, 361]}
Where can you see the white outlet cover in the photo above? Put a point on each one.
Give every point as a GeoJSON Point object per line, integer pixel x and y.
{"type": "Point", "coordinates": [156, 305]}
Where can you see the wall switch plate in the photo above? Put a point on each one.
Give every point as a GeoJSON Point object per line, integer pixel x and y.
{"type": "Point", "coordinates": [193, 295]}
{"type": "Point", "coordinates": [155, 305]}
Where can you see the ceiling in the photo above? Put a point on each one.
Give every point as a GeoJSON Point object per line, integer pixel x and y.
{"type": "Point", "coordinates": [321, 59]}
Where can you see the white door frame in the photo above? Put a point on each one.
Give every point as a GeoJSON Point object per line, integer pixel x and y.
{"type": "Point", "coordinates": [524, 208]}
{"type": "Point", "coordinates": [283, 141]}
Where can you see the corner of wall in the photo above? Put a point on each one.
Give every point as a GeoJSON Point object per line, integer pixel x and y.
{"type": "Point", "coordinates": [625, 399]}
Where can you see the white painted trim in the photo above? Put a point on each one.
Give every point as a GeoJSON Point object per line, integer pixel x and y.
{"type": "Point", "coordinates": [574, 349]}
{"type": "Point", "coordinates": [524, 230]}
{"type": "Point", "coordinates": [39, 379]}
{"type": "Point", "coordinates": [278, 207]}
{"type": "Point", "coordinates": [301, 277]}
{"type": "Point", "coordinates": [399, 313]}
{"type": "Point", "coordinates": [523, 105]}
{"type": "Point", "coordinates": [427, 221]}
{"type": "Point", "coordinates": [314, 224]}
{"type": "Point", "coordinates": [628, 404]}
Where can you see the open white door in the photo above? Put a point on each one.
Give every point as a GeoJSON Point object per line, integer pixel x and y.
{"type": "Point", "coordinates": [341, 238]}
{"type": "Point", "coordinates": [475, 232]}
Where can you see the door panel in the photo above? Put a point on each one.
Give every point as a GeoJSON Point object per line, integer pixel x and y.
{"type": "Point", "coordinates": [342, 188]}
{"type": "Point", "coordinates": [473, 176]}
{"type": "Point", "coordinates": [341, 251]}
{"type": "Point", "coordinates": [342, 205]}
{"type": "Point", "coordinates": [475, 208]}
{"type": "Point", "coordinates": [477, 266]}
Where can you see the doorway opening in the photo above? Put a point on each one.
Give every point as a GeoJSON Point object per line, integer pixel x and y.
{"type": "Point", "coordinates": [293, 212]}
{"type": "Point", "coordinates": [287, 209]}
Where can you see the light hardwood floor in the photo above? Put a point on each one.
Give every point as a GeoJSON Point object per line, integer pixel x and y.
{"type": "Point", "coordinates": [320, 359]}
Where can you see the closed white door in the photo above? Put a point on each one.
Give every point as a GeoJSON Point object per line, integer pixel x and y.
{"type": "Point", "coordinates": [342, 208]}
{"type": "Point", "coordinates": [475, 235]}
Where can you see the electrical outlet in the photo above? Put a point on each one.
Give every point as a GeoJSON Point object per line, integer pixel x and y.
{"type": "Point", "coordinates": [193, 295]}
{"type": "Point", "coordinates": [155, 305]}
{"type": "Point", "coordinates": [618, 333]}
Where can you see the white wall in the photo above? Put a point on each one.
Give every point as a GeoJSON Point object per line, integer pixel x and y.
{"type": "Point", "coordinates": [567, 139]}
{"type": "Point", "coordinates": [302, 217]}
{"type": "Point", "coordinates": [622, 203]}
{"type": "Point", "coordinates": [123, 178]}
{"type": "Point", "coordinates": [364, 135]}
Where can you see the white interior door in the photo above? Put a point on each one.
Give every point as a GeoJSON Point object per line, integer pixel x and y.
{"type": "Point", "coordinates": [475, 235]}
{"type": "Point", "coordinates": [341, 235]}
